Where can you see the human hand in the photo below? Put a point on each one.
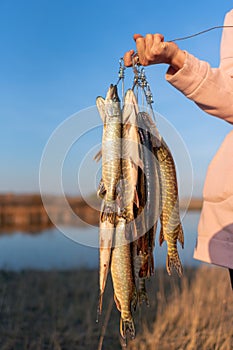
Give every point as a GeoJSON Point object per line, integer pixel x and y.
{"type": "Point", "coordinates": [152, 49]}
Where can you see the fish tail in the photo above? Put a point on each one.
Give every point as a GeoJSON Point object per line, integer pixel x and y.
{"type": "Point", "coordinates": [142, 293]}
{"type": "Point", "coordinates": [128, 214]}
{"type": "Point", "coordinates": [134, 299]}
{"type": "Point", "coordinates": [174, 261]}
{"type": "Point", "coordinates": [109, 212]}
{"type": "Point", "coordinates": [181, 236]}
{"type": "Point", "coordinates": [127, 326]}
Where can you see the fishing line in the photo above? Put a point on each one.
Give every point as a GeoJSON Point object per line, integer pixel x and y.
{"type": "Point", "coordinates": [200, 33]}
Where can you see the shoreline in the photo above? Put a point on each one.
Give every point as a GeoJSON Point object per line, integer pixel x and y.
{"type": "Point", "coordinates": [26, 212]}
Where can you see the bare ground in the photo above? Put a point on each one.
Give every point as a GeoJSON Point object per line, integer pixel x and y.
{"type": "Point", "coordinates": [57, 310]}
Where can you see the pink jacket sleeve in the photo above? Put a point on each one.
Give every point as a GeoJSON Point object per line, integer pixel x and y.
{"type": "Point", "coordinates": [210, 88]}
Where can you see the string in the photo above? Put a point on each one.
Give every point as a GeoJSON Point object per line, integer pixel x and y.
{"type": "Point", "coordinates": [199, 33]}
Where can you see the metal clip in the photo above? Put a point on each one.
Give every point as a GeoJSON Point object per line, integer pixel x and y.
{"type": "Point", "coordinates": [121, 73]}
{"type": "Point", "coordinates": [149, 96]}
{"type": "Point", "coordinates": [142, 77]}
{"type": "Point", "coordinates": [135, 66]}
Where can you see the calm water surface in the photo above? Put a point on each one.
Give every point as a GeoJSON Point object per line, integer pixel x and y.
{"type": "Point", "coordinates": [53, 250]}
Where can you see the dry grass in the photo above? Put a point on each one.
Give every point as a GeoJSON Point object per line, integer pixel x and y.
{"type": "Point", "coordinates": [198, 315]}
{"type": "Point", "coordinates": [57, 310]}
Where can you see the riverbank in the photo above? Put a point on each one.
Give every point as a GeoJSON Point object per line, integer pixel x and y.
{"type": "Point", "coordinates": [27, 213]}
{"type": "Point", "coordinates": [57, 310]}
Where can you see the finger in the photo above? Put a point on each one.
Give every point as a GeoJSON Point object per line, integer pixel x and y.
{"type": "Point", "coordinates": [136, 36]}
{"type": "Point", "coordinates": [128, 58]}
{"type": "Point", "coordinates": [149, 39]}
{"type": "Point", "coordinates": [158, 44]}
{"type": "Point", "coordinates": [141, 46]}
{"type": "Point", "coordinates": [158, 38]}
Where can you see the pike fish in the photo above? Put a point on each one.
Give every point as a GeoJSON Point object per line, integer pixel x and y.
{"type": "Point", "coordinates": [148, 212]}
{"type": "Point", "coordinates": [130, 156]}
{"type": "Point", "coordinates": [110, 112]}
{"type": "Point", "coordinates": [122, 277]}
{"type": "Point", "coordinates": [171, 228]}
{"type": "Point", "coordinates": [152, 184]}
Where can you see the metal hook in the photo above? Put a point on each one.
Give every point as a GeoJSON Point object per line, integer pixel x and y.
{"type": "Point", "coordinates": [121, 75]}
{"type": "Point", "coordinates": [135, 66]}
{"type": "Point", "coordinates": [142, 77]}
{"type": "Point", "coordinates": [135, 59]}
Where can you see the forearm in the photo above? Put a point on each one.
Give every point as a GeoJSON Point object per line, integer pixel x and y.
{"type": "Point", "coordinates": [210, 88]}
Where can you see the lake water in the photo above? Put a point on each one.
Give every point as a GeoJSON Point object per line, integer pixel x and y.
{"type": "Point", "coordinates": [53, 250]}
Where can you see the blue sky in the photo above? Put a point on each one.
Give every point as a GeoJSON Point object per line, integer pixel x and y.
{"type": "Point", "coordinates": [58, 56]}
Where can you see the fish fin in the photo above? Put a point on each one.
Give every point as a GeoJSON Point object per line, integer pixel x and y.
{"type": "Point", "coordinates": [144, 269]}
{"type": "Point", "coordinates": [137, 162]}
{"type": "Point", "coordinates": [127, 126]}
{"type": "Point", "coordinates": [101, 191]}
{"type": "Point", "coordinates": [118, 304]}
{"type": "Point", "coordinates": [136, 198]}
{"type": "Point", "coordinates": [98, 156]}
{"type": "Point", "coordinates": [181, 236]}
{"type": "Point", "coordinates": [174, 262]}
{"type": "Point", "coordinates": [127, 326]}
{"type": "Point", "coordinates": [108, 212]}
{"type": "Point", "coordinates": [161, 236]}
{"type": "Point", "coordinates": [134, 299]}
{"type": "Point", "coordinates": [100, 103]}
{"type": "Point", "coordinates": [134, 232]}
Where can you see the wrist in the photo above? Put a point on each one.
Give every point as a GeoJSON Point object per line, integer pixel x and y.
{"type": "Point", "coordinates": [177, 57]}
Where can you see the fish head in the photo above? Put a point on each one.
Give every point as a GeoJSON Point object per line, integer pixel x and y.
{"type": "Point", "coordinates": [112, 94]}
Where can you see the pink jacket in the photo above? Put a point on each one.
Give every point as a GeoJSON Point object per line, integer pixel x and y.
{"type": "Point", "coordinates": [212, 90]}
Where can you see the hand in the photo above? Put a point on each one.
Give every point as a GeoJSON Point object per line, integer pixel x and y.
{"type": "Point", "coordinates": [152, 49]}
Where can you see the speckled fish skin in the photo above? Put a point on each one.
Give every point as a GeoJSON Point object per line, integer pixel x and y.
{"type": "Point", "coordinates": [152, 188]}
{"type": "Point", "coordinates": [130, 155]}
{"type": "Point", "coordinates": [171, 228]}
{"type": "Point", "coordinates": [140, 245]}
{"type": "Point", "coordinates": [110, 111]}
{"type": "Point", "coordinates": [148, 211]}
{"type": "Point", "coordinates": [122, 277]}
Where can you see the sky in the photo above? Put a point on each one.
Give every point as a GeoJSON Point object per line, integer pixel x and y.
{"type": "Point", "coordinates": [58, 56]}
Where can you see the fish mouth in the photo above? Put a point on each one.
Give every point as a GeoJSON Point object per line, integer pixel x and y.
{"type": "Point", "coordinates": [113, 94]}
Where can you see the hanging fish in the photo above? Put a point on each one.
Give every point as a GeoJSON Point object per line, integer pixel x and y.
{"type": "Point", "coordinates": [171, 228]}
{"type": "Point", "coordinates": [148, 212]}
{"type": "Point", "coordinates": [110, 112]}
{"type": "Point", "coordinates": [122, 277]}
{"type": "Point", "coordinates": [130, 156]}
{"type": "Point", "coordinates": [152, 184]}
